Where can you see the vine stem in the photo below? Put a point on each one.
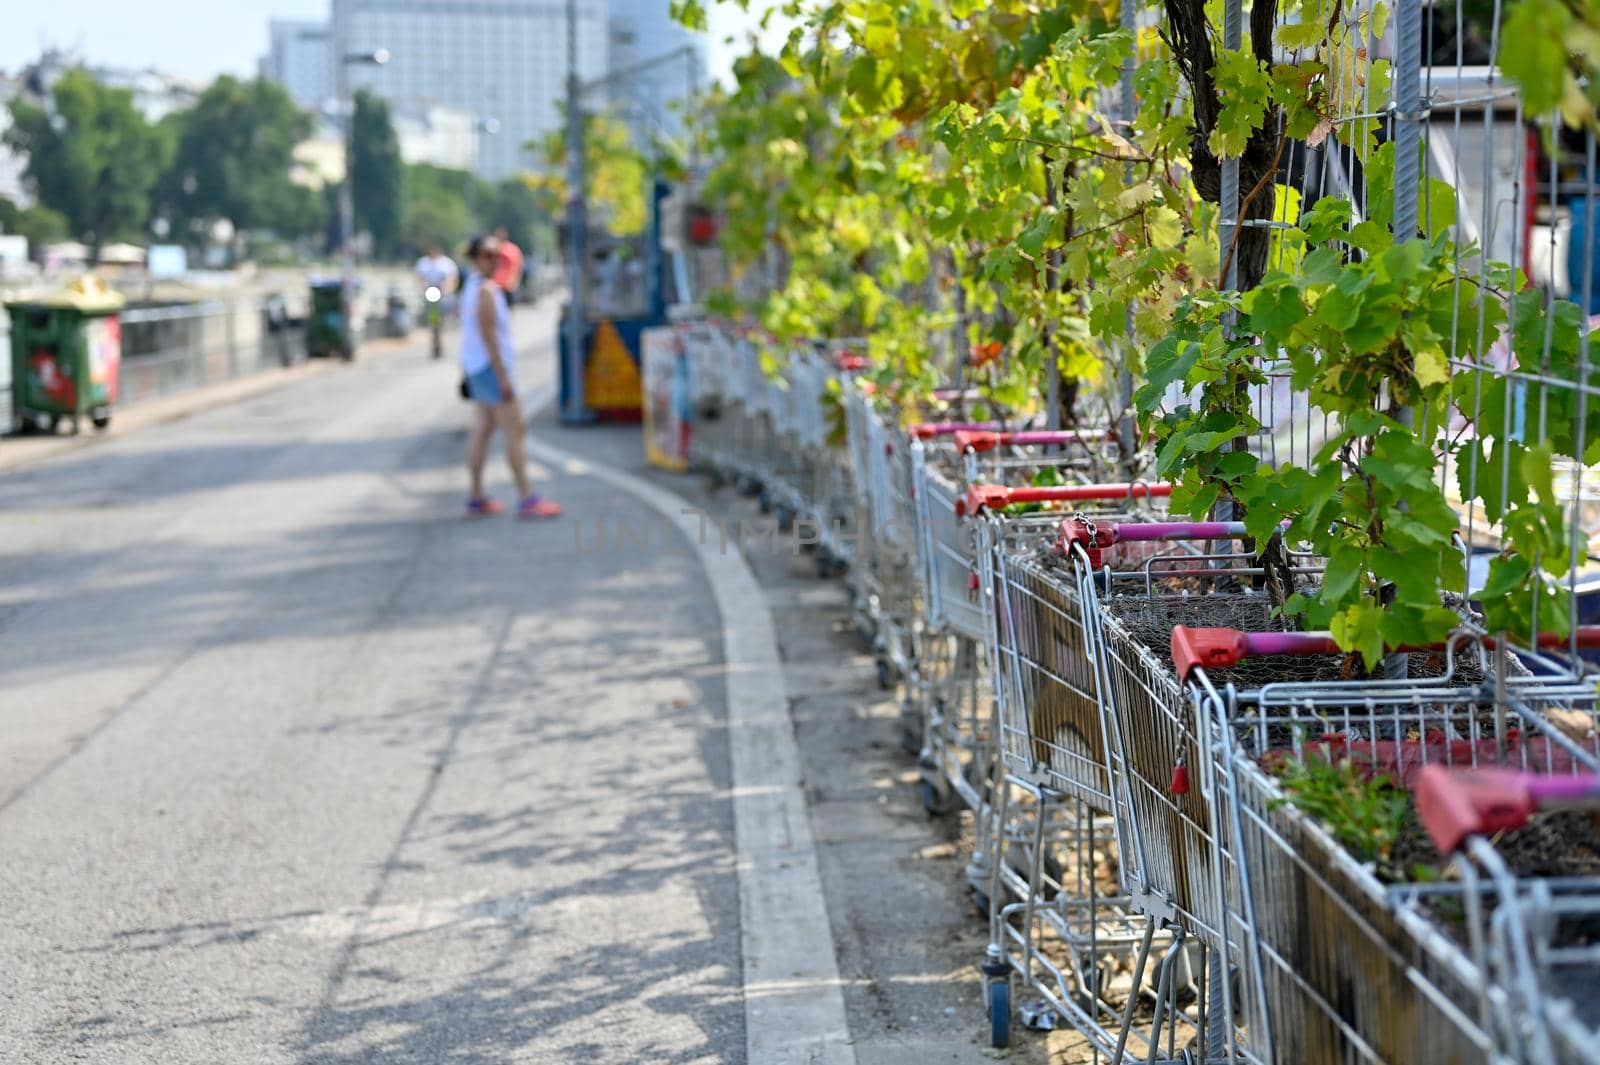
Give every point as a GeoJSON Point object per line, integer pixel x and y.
{"type": "Point", "coordinates": [1061, 146]}
{"type": "Point", "coordinates": [1238, 225]}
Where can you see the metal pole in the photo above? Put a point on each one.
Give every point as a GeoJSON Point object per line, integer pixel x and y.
{"type": "Point", "coordinates": [573, 408]}
{"type": "Point", "coordinates": [473, 150]}
{"type": "Point", "coordinates": [347, 200]}
{"type": "Point", "coordinates": [1228, 220]}
{"type": "Point", "coordinates": [1408, 115]}
{"type": "Point", "coordinates": [1128, 107]}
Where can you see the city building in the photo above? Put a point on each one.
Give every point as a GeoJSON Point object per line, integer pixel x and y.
{"type": "Point", "coordinates": [433, 133]}
{"type": "Point", "coordinates": [504, 60]}
{"type": "Point", "coordinates": [440, 136]}
{"type": "Point", "coordinates": [154, 93]}
{"type": "Point", "coordinates": [298, 59]}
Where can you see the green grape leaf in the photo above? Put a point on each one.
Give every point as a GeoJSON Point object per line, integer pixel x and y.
{"type": "Point", "coordinates": [1344, 569]}
{"type": "Point", "coordinates": [1327, 219]}
{"type": "Point", "coordinates": [1359, 628]}
{"type": "Point", "coordinates": [1244, 89]}
{"type": "Point", "coordinates": [1301, 35]}
{"type": "Point", "coordinates": [1533, 53]}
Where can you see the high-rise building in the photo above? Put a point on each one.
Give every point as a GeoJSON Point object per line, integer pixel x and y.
{"type": "Point", "coordinates": [298, 59]}
{"type": "Point", "coordinates": [642, 31]}
{"type": "Point", "coordinates": [504, 60]}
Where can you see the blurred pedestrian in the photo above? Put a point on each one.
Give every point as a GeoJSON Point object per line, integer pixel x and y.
{"type": "Point", "coordinates": [508, 274]}
{"type": "Point", "coordinates": [488, 361]}
{"type": "Point", "coordinates": [437, 269]}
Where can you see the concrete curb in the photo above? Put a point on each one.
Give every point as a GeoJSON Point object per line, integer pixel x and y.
{"type": "Point", "coordinates": [793, 998]}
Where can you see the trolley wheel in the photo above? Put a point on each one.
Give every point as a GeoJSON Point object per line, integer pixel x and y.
{"type": "Point", "coordinates": [935, 802]}
{"type": "Point", "coordinates": [910, 732]}
{"type": "Point", "coordinates": [347, 353]}
{"type": "Point", "coordinates": [980, 902]}
{"type": "Point", "coordinates": [998, 995]}
{"type": "Point", "coordinates": [101, 418]}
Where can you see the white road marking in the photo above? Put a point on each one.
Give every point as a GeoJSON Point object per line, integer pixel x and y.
{"type": "Point", "coordinates": [793, 1001]}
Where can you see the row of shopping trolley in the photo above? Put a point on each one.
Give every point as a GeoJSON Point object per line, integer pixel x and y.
{"type": "Point", "coordinates": [1199, 836]}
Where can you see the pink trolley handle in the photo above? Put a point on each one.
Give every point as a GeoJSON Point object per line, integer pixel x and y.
{"type": "Point", "coordinates": [981, 497]}
{"type": "Point", "coordinates": [1095, 538]}
{"type": "Point", "coordinates": [988, 440]}
{"type": "Point", "coordinates": [1220, 648]}
{"type": "Point", "coordinates": [933, 430]}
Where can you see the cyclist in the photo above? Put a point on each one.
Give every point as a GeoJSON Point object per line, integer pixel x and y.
{"type": "Point", "coordinates": [437, 276]}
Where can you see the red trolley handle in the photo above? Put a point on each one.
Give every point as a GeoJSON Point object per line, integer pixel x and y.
{"type": "Point", "coordinates": [1221, 648]}
{"type": "Point", "coordinates": [930, 430]}
{"type": "Point", "coordinates": [995, 496]}
{"type": "Point", "coordinates": [983, 440]}
{"type": "Point", "coordinates": [1454, 803]}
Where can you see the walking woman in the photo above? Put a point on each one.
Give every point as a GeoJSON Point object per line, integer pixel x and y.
{"type": "Point", "coordinates": [488, 359]}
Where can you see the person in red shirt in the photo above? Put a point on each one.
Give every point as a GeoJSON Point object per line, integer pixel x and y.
{"type": "Point", "coordinates": [508, 274]}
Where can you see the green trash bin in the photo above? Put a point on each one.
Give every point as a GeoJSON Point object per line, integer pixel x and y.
{"type": "Point", "coordinates": [66, 355]}
{"type": "Point", "coordinates": [330, 329]}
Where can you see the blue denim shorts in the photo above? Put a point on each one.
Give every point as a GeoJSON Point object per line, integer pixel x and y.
{"type": "Point", "coordinates": [484, 387]}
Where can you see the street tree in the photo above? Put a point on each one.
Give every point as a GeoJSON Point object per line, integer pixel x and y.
{"type": "Point", "coordinates": [616, 172]}
{"type": "Point", "coordinates": [91, 156]}
{"type": "Point", "coordinates": [515, 204]}
{"type": "Point", "coordinates": [39, 224]}
{"type": "Point", "coordinates": [376, 171]}
{"type": "Point", "coordinates": [436, 205]}
{"type": "Point", "coordinates": [234, 159]}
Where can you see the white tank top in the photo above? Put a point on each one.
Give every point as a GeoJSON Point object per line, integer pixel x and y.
{"type": "Point", "coordinates": [474, 355]}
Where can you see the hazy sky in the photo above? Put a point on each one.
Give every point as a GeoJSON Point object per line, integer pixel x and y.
{"type": "Point", "coordinates": [197, 38]}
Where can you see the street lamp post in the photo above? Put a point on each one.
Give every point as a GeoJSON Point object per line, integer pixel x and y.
{"type": "Point", "coordinates": [572, 407]}
{"type": "Point", "coordinates": [347, 200]}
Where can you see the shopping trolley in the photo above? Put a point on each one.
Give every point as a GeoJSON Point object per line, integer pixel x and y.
{"type": "Point", "coordinates": [750, 430]}
{"type": "Point", "coordinates": [812, 469]}
{"type": "Point", "coordinates": [832, 372]}
{"type": "Point", "coordinates": [1060, 917]}
{"type": "Point", "coordinates": [1334, 964]}
{"type": "Point", "coordinates": [887, 585]}
{"type": "Point", "coordinates": [708, 348]}
{"type": "Point", "coordinates": [784, 467]}
{"type": "Point", "coordinates": [956, 759]}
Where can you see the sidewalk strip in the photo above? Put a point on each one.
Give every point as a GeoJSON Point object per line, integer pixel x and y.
{"type": "Point", "coordinates": [793, 1002]}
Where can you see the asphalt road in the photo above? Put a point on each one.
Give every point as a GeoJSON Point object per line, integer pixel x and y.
{"type": "Point", "coordinates": [299, 766]}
